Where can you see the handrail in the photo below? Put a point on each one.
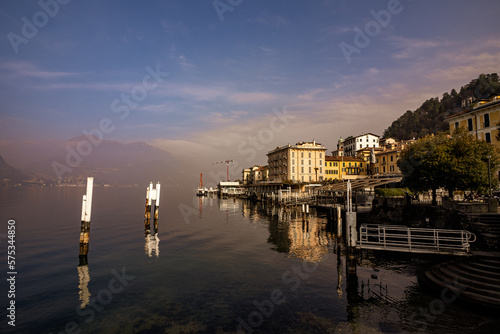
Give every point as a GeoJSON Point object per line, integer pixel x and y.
{"type": "Point", "coordinates": [410, 239]}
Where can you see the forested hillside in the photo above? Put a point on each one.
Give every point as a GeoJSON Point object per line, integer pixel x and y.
{"type": "Point", "coordinates": [430, 116]}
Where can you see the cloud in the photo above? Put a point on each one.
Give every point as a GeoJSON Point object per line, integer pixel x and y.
{"type": "Point", "coordinates": [25, 69]}
{"type": "Point", "coordinates": [251, 97]}
{"type": "Point", "coordinates": [268, 51]}
{"type": "Point", "coordinates": [412, 47]}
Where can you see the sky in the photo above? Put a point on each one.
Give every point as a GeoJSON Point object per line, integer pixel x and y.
{"type": "Point", "coordinates": [231, 79]}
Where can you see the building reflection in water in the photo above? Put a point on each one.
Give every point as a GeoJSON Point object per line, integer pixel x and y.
{"type": "Point", "coordinates": [310, 238]}
{"type": "Point", "coordinates": [293, 231]}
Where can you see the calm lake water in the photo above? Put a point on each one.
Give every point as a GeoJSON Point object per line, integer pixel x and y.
{"type": "Point", "coordinates": [215, 266]}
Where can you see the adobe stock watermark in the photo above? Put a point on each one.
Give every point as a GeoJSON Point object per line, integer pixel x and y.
{"type": "Point", "coordinates": [372, 29]}
{"type": "Point", "coordinates": [222, 6]}
{"type": "Point", "coordinates": [427, 315]}
{"type": "Point", "coordinates": [292, 278]}
{"type": "Point", "coordinates": [30, 28]}
{"type": "Point", "coordinates": [103, 298]}
{"type": "Point", "coordinates": [248, 148]}
{"type": "Point", "coordinates": [121, 107]}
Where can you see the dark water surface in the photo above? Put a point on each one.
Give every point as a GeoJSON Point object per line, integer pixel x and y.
{"type": "Point", "coordinates": [217, 266]}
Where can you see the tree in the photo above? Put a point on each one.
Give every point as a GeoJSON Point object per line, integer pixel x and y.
{"type": "Point", "coordinates": [468, 163]}
{"type": "Point", "coordinates": [456, 163]}
{"type": "Point", "coordinates": [421, 164]}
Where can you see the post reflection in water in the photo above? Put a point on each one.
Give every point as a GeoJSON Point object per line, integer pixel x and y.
{"type": "Point", "coordinates": [83, 266]}
{"type": "Point", "coordinates": [84, 276]}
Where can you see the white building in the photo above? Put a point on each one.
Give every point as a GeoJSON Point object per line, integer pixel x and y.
{"type": "Point", "coordinates": [353, 144]}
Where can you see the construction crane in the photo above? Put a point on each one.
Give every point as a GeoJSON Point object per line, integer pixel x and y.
{"type": "Point", "coordinates": [227, 164]}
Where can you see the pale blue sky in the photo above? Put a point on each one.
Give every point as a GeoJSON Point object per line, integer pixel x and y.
{"type": "Point", "coordinates": [227, 76]}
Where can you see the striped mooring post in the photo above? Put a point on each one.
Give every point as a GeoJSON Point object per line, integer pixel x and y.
{"type": "Point", "coordinates": [152, 206]}
{"type": "Point", "coordinates": [85, 223]}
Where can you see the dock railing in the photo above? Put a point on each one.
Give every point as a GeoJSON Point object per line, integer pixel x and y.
{"type": "Point", "coordinates": [415, 240]}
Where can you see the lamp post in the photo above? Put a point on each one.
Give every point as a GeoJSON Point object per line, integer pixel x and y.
{"type": "Point", "coordinates": [489, 173]}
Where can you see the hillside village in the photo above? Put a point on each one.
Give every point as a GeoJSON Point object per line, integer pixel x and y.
{"type": "Point", "coordinates": [366, 154]}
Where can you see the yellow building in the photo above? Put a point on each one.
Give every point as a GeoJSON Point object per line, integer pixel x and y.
{"type": "Point", "coordinates": [342, 168]}
{"type": "Point", "coordinates": [482, 120]}
{"type": "Point", "coordinates": [302, 162]}
{"type": "Point", "coordinates": [387, 161]}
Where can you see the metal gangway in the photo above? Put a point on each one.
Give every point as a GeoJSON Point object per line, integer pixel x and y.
{"type": "Point", "coordinates": [401, 238]}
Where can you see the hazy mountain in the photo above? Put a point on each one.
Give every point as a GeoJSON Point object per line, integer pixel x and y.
{"type": "Point", "coordinates": [110, 162]}
{"type": "Point", "coordinates": [7, 172]}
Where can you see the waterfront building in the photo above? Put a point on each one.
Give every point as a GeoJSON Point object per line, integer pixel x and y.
{"type": "Point", "coordinates": [481, 119]}
{"type": "Point", "coordinates": [343, 168]}
{"type": "Point", "coordinates": [387, 161]}
{"type": "Point", "coordinates": [354, 143]}
{"type": "Point", "coordinates": [255, 174]}
{"type": "Point", "coordinates": [302, 162]}
{"type": "Point", "coordinates": [365, 153]}
{"type": "Point", "coordinates": [387, 155]}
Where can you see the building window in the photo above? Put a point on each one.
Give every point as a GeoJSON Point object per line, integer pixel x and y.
{"type": "Point", "coordinates": [301, 154]}
{"type": "Point", "coordinates": [293, 169]}
{"type": "Point", "coordinates": [392, 158]}
{"type": "Point", "coordinates": [302, 161]}
{"type": "Point", "coordinates": [302, 170]}
{"type": "Point", "coordinates": [487, 137]}
{"type": "Point", "coordinates": [457, 125]}
{"type": "Point", "coordinates": [321, 170]}
{"type": "Point", "coordinates": [309, 154]}
{"type": "Point", "coordinates": [320, 155]}
{"type": "Point", "coordinates": [309, 170]}
{"type": "Point", "coordinates": [469, 124]}
{"type": "Point", "coordinates": [486, 120]}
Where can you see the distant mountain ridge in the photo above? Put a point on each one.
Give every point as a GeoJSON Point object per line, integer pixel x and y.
{"type": "Point", "coordinates": [9, 174]}
{"type": "Point", "coordinates": [109, 162]}
{"type": "Point", "coordinates": [113, 162]}
{"type": "Point", "coordinates": [430, 116]}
